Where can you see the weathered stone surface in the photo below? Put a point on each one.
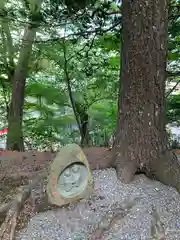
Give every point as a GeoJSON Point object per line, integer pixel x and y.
{"type": "Point", "coordinates": [70, 177]}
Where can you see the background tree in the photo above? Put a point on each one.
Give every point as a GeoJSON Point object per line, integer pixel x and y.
{"type": "Point", "coordinates": [18, 78]}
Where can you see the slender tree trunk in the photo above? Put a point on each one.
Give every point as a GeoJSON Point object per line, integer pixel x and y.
{"type": "Point", "coordinates": [79, 109]}
{"type": "Point", "coordinates": [141, 142]}
{"type": "Point", "coordinates": [15, 135]}
{"type": "Point", "coordinates": [83, 120]}
{"type": "Point", "coordinates": [84, 129]}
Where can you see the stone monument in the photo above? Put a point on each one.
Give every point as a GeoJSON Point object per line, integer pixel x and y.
{"type": "Point", "coordinates": [70, 177]}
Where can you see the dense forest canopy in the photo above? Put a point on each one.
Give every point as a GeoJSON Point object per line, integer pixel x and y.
{"type": "Point", "coordinates": [70, 61]}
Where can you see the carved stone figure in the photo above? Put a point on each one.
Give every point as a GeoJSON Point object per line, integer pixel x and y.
{"type": "Point", "coordinates": [70, 177]}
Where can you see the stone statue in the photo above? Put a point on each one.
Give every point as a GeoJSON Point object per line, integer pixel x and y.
{"type": "Point", "coordinates": [72, 180]}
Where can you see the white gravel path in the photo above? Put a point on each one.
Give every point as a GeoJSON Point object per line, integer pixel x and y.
{"type": "Point", "coordinates": [77, 221]}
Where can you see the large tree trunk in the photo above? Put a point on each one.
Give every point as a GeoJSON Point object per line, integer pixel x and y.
{"type": "Point", "coordinates": [141, 142]}
{"type": "Point", "coordinates": [15, 117]}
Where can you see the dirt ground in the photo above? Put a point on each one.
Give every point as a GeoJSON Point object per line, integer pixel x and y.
{"type": "Point", "coordinates": [16, 168]}
{"type": "Point", "coordinates": [22, 163]}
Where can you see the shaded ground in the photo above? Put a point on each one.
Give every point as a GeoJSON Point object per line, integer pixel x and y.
{"type": "Point", "coordinates": [17, 168]}
{"type": "Point", "coordinates": [144, 209]}
{"type": "Point", "coordinates": [28, 162]}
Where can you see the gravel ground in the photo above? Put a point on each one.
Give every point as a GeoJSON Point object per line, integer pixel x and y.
{"type": "Point", "coordinates": [79, 220]}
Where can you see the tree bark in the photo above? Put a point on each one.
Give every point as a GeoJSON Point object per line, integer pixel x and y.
{"type": "Point", "coordinates": [141, 141]}
{"type": "Point", "coordinates": [15, 117]}
{"type": "Point", "coordinates": [83, 116]}
{"type": "Point", "coordinates": [84, 130]}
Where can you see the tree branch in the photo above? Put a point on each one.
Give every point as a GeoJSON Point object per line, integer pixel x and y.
{"type": "Point", "coordinates": [90, 46]}
{"type": "Point", "coordinates": [167, 95]}
{"type": "Point", "coordinates": [84, 34]}
{"type": "Point", "coordinates": [69, 86]}
{"type": "Point", "coordinates": [10, 49]}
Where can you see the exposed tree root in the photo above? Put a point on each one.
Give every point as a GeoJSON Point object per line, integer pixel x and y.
{"type": "Point", "coordinates": [7, 229]}
{"type": "Point", "coordinates": [118, 214]}
{"type": "Point", "coordinates": [157, 228]}
{"type": "Point", "coordinates": [167, 170]}
{"type": "Point", "coordinates": [5, 207]}
{"type": "Point", "coordinates": [111, 218]}
{"type": "Point", "coordinates": [126, 171]}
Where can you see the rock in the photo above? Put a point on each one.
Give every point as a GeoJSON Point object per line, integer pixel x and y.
{"type": "Point", "coordinates": [70, 177]}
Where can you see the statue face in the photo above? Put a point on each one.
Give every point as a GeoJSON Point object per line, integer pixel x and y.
{"type": "Point", "coordinates": [72, 180]}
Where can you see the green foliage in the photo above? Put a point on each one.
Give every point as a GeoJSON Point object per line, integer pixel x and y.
{"type": "Point", "coordinates": [79, 45]}
{"type": "Point", "coordinates": [173, 109]}
{"type": "Point", "coordinates": [90, 70]}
